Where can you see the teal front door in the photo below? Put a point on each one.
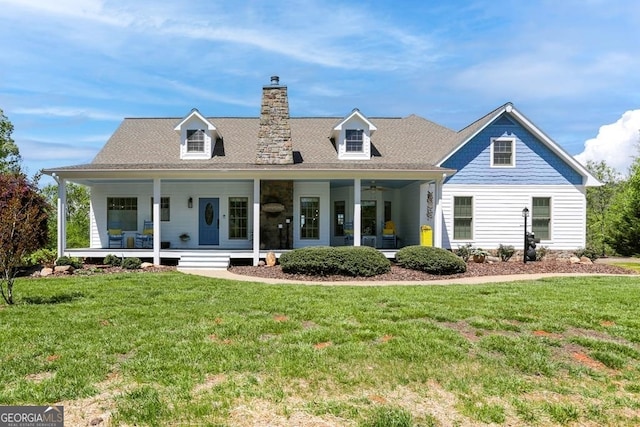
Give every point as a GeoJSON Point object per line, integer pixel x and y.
{"type": "Point", "coordinates": [209, 222]}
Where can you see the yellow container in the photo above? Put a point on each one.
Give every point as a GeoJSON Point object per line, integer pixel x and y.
{"type": "Point", "coordinates": [426, 236]}
{"type": "Point", "coordinates": [130, 242]}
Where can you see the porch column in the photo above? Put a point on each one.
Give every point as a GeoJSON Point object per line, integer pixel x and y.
{"type": "Point", "coordinates": [62, 216]}
{"type": "Point", "coordinates": [357, 211]}
{"type": "Point", "coordinates": [156, 221]}
{"type": "Point", "coordinates": [256, 221]}
{"type": "Point", "coordinates": [437, 215]}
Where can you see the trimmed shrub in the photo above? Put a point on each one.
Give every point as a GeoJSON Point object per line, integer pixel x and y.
{"type": "Point", "coordinates": [73, 262]}
{"type": "Point", "coordinates": [112, 260]}
{"type": "Point", "coordinates": [345, 260]}
{"type": "Point", "coordinates": [131, 263]}
{"type": "Point", "coordinates": [430, 260]}
{"type": "Point", "coordinates": [505, 252]}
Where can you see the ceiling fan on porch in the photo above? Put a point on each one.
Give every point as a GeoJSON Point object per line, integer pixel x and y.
{"type": "Point", "coordinates": [373, 187]}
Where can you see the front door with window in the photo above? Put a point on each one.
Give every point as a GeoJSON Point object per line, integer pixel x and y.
{"type": "Point", "coordinates": [209, 221]}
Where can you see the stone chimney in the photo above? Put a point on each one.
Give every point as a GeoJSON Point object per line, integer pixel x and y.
{"type": "Point", "coordinates": [274, 136]}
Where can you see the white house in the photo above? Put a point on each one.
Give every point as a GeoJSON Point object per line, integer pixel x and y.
{"type": "Point", "coordinates": [239, 187]}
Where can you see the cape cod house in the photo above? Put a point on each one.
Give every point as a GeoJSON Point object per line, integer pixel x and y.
{"type": "Point", "coordinates": [196, 188]}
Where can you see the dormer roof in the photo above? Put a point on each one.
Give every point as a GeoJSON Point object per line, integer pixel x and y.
{"type": "Point", "coordinates": [355, 113]}
{"type": "Point", "coordinates": [195, 113]}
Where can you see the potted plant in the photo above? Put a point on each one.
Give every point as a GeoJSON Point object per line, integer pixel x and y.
{"type": "Point", "coordinates": [479, 255]}
{"type": "Point", "coordinates": [185, 237]}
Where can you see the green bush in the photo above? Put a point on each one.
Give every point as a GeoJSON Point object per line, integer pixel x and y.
{"type": "Point", "coordinates": [505, 252]}
{"type": "Point", "coordinates": [590, 252]}
{"type": "Point", "coordinates": [345, 260]}
{"type": "Point", "coordinates": [430, 260]}
{"type": "Point", "coordinates": [72, 261]}
{"type": "Point", "coordinates": [112, 260]}
{"type": "Point", "coordinates": [131, 263]}
{"type": "Point", "coordinates": [44, 257]}
{"type": "Point", "coordinates": [464, 251]}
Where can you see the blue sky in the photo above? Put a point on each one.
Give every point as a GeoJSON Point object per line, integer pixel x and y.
{"type": "Point", "coordinates": [73, 69]}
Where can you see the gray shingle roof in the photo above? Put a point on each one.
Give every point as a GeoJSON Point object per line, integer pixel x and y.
{"type": "Point", "coordinates": [410, 143]}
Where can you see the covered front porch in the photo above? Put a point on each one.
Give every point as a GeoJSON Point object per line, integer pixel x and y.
{"type": "Point", "coordinates": [244, 219]}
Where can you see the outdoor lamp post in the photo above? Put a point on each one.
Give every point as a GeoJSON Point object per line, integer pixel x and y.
{"type": "Point", "coordinates": [525, 215]}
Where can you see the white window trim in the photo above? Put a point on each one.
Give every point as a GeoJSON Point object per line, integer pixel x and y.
{"type": "Point", "coordinates": [453, 218]}
{"type": "Point", "coordinates": [513, 151]}
{"type": "Point", "coordinates": [365, 154]}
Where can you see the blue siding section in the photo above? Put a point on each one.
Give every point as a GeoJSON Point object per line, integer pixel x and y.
{"type": "Point", "coordinates": [535, 163]}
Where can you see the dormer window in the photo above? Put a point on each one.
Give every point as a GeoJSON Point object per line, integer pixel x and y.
{"type": "Point", "coordinates": [197, 137]}
{"type": "Point", "coordinates": [353, 138]}
{"type": "Point", "coordinates": [195, 140]}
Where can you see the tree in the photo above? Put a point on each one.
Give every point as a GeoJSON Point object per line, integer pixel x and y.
{"type": "Point", "coordinates": [9, 154]}
{"type": "Point", "coordinates": [599, 200]}
{"type": "Point", "coordinates": [78, 200]}
{"type": "Point", "coordinates": [23, 226]}
{"type": "Point", "coordinates": [624, 213]}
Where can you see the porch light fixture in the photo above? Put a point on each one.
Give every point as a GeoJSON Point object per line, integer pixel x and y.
{"type": "Point", "coordinates": [525, 215]}
{"type": "Point", "coordinates": [190, 202]}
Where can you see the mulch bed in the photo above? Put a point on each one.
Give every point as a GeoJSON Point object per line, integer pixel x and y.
{"type": "Point", "coordinates": [398, 273]}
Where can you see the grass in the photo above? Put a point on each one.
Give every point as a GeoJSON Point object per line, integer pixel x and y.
{"type": "Point", "coordinates": [173, 349]}
{"type": "Point", "coordinates": [630, 265]}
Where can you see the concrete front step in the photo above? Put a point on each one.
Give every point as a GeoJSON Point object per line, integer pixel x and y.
{"type": "Point", "coordinates": [204, 261]}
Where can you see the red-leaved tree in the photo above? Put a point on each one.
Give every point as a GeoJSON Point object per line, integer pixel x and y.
{"type": "Point", "coordinates": [23, 226]}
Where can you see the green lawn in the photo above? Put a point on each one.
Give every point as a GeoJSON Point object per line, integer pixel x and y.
{"type": "Point", "coordinates": [630, 265]}
{"type": "Point", "coordinates": [174, 349]}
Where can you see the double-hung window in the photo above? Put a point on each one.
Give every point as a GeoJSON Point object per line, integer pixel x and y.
{"type": "Point", "coordinates": [502, 152]}
{"type": "Point", "coordinates": [195, 141]}
{"type": "Point", "coordinates": [462, 218]}
{"type": "Point", "coordinates": [354, 140]}
{"type": "Point", "coordinates": [541, 217]}
{"type": "Point", "coordinates": [122, 213]}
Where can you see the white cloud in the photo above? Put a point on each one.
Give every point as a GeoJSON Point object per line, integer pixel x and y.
{"type": "Point", "coordinates": [616, 143]}
{"type": "Point", "coordinates": [68, 112]}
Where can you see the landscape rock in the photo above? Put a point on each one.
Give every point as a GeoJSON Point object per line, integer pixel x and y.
{"type": "Point", "coordinates": [63, 269]}
{"type": "Point", "coordinates": [146, 265]}
{"type": "Point", "coordinates": [271, 259]}
{"type": "Point", "coordinates": [585, 260]}
{"type": "Point", "coordinates": [46, 272]}
{"type": "Point", "coordinates": [574, 260]}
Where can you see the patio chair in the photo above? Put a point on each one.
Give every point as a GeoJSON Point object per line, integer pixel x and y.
{"type": "Point", "coordinates": [116, 236]}
{"type": "Point", "coordinates": [348, 233]}
{"type": "Point", "coordinates": [389, 237]}
{"type": "Point", "coordinates": [145, 239]}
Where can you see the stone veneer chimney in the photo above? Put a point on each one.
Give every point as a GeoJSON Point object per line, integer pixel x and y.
{"type": "Point", "coordinates": [274, 136]}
